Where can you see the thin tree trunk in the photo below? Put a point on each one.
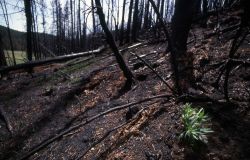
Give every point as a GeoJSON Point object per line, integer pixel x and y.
{"type": "Point", "coordinates": [93, 16]}
{"type": "Point", "coordinates": [135, 21]}
{"type": "Point", "coordinates": [122, 23]}
{"type": "Point", "coordinates": [127, 73]}
{"type": "Point", "coordinates": [8, 29]}
{"type": "Point", "coordinates": [146, 16]}
{"type": "Point", "coordinates": [27, 5]}
{"type": "Point", "coordinates": [129, 21]}
{"type": "Point", "coordinates": [2, 56]}
{"type": "Point", "coordinates": [72, 26]}
{"type": "Point", "coordinates": [79, 23]}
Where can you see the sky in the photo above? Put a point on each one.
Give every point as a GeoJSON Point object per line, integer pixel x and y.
{"type": "Point", "coordinates": [17, 19]}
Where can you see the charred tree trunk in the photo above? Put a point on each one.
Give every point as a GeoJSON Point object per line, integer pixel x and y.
{"type": "Point", "coordinates": [2, 56]}
{"type": "Point", "coordinates": [129, 21]}
{"type": "Point", "coordinates": [238, 40]}
{"type": "Point", "coordinates": [5, 13]}
{"type": "Point", "coordinates": [27, 5]}
{"type": "Point", "coordinates": [135, 21]}
{"type": "Point", "coordinates": [93, 16]}
{"type": "Point", "coordinates": [204, 13]}
{"type": "Point", "coordinates": [72, 26]}
{"type": "Point", "coordinates": [181, 24]}
{"type": "Point", "coordinates": [146, 14]}
{"type": "Point", "coordinates": [122, 23]}
{"type": "Point", "coordinates": [127, 73]}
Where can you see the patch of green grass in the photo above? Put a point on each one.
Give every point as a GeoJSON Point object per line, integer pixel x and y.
{"type": "Point", "coordinates": [78, 66]}
{"type": "Point", "coordinates": [20, 56]}
{"type": "Point", "coordinates": [196, 124]}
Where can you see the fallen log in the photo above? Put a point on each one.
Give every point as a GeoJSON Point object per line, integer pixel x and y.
{"type": "Point", "coordinates": [6, 69]}
{"type": "Point", "coordinates": [222, 31]}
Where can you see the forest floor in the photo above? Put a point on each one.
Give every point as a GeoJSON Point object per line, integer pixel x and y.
{"type": "Point", "coordinates": [62, 95]}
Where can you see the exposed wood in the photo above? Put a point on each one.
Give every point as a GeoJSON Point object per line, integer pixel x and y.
{"type": "Point", "coordinates": [108, 133]}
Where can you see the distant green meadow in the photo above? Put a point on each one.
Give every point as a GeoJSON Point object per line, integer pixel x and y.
{"type": "Point", "coordinates": [20, 57]}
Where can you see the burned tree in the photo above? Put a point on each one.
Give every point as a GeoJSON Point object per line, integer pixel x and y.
{"type": "Point", "coordinates": [122, 23]}
{"type": "Point", "coordinates": [5, 13]}
{"type": "Point", "coordinates": [181, 24]}
{"type": "Point", "coordinates": [28, 14]}
{"type": "Point", "coordinates": [2, 56]}
{"type": "Point", "coordinates": [135, 21]}
{"type": "Point", "coordinates": [129, 21]}
{"type": "Point", "coordinates": [127, 73]}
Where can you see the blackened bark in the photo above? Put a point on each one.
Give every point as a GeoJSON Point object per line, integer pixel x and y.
{"type": "Point", "coordinates": [238, 40]}
{"type": "Point", "coordinates": [27, 5]}
{"type": "Point", "coordinates": [135, 21]}
{"type": "Point", "coordinates": [2, 56]}
{"type": "Point", "coordinates": [122, 23]}
{"type": "Point", "coordinates": [5, 13]}
{"type": "Point", "coordinates": [181, 24]}
{"type": "Point", "coordinates": [72, 27]}
{"type": "Point", "coordinates": [127, 73]}
{"type": "Point", "coordinates": [129, 21]}
{"type": "Point", "coordinates": [93, 16]}
{"type": "Point", "coordinates": [146, 18]}
{"type": "Point", "coordinates": [170, 47]}
{"type": "Point", "coordinates": [204, 13]}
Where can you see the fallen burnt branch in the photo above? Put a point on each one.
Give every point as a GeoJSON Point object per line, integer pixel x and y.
{"type": "Point", "coordinates": [109, 132]}
{"type": "Point", "coordinates": [123, 135]}
{"type": "Point", "coordinates": [87, 121]}
{"type": "Point", "coordinates": [159, 76]}
{"type": "Point", "coordinates": [32, 64]}
{"type": "Point", "coordinates": [225, 30]}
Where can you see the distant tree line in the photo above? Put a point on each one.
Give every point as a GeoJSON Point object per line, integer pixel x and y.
{"type": "Point", "coordinates": [71, 30]}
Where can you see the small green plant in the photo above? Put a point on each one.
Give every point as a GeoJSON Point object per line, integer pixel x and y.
{"type": "Point", "coordinates": [195, 126]}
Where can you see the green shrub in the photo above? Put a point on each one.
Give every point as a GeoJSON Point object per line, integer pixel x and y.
{"type": "Point", "coordinates": [195, 126]}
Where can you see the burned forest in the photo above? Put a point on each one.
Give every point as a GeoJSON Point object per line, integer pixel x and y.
{"type": "Point", "coordinates": [125, 79]}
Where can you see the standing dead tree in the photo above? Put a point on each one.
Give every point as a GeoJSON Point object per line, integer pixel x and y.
{"type": "Point", "coordinates": [240, 36]}
{"type": "Point", "coordinates": [122, 23]}
{"type": "Point", "coordinates": [2, 56]}
{"type": "Point", "coordinates": [181, 24]}
{"type": "Point", "coordinates": [127, 73]}
{"type": "Point", "coordinates": [170, 45]}
{"type": "Point", "coordinates": [28, 14]}
{"type": "Point", "coordinates": [5, 13]}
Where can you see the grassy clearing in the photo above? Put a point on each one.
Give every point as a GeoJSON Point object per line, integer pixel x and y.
{"type": "Point", "coordinates": [20, 56]}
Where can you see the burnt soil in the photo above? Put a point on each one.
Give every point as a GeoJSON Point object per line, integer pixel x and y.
{"type": "Point", "coordinates": [58, 96]}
